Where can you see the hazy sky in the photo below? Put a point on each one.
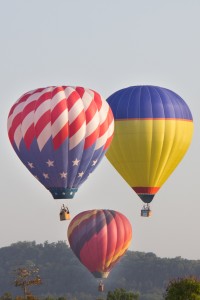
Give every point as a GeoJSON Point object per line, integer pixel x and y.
{"type": "Point", "coordinates": [104, 45]}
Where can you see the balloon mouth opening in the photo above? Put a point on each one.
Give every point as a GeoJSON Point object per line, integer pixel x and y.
{"type": "Point", "coordinates": [146, 198]}
{"type": "Point", "coordinates": [146, 194]}
{"type": "Point", "coordinates": [62, 193]}
{"type": "Point", "coordinates": [100, 274]}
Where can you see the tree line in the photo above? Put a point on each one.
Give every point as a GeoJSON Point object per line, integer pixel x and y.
{"type": "Point", "coordinates": [63, 275]}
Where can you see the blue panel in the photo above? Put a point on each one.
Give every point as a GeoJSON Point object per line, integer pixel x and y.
{"type": "Point", "coordinates": [61, 162]}
{"type": "Point", "coordinates": [144, 102]}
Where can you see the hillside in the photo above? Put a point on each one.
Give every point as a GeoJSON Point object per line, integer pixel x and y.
{"type": "Point", "coordinates": [62, 273]}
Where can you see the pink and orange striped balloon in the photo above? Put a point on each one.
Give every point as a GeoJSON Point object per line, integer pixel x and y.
{"type": "Point", "coordinates": [99, 238]}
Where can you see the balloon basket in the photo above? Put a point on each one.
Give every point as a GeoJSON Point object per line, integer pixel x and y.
{"type": "Point", "coordinates": [146, 211]}
{"type": "Point", "coordinates": [64, 216]}
{"type": "Point", "coordinates": [64, 213]}
{"type": "Point", "coordinates": [101, 287]}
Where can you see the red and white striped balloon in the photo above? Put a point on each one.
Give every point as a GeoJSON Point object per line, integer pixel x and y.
{"type": "Point", "coordinates": [61, 125]}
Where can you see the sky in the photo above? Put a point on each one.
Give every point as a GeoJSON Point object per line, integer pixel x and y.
{"type": "Point", "coordinates": [106, 46]}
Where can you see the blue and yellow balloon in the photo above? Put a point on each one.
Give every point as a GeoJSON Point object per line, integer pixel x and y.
{"type": "Point", "coordinates": [153, 131]}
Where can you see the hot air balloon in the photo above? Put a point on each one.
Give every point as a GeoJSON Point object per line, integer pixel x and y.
{"type": "Point", "coordinates": [153, 131]}
{"type": "Point", "coordinates": [99, 238]}
{"type": "Point", "coordinates": [61, 133]}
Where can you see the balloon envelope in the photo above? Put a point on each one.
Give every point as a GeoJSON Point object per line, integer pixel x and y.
{"type": "Point", "coordinates": [153, 130]}
{"type": "Point", "coordinates": [99, 238]}
{"type": "Point", "coordinates": [61, 134]}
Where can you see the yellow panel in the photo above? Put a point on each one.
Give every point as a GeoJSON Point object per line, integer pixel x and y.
{"type": "Point", "coordinates": [145, 152]}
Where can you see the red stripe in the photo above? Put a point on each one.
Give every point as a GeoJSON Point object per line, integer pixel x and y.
{"type": "Point", "coordinates": [77, 123]}
{"type": "Point", "coordinates": [28, 108]}
{"type": "Point", "coordinates": [146, 190]}
{"type": "Point", "coordinates": [16, 122]}
{"type": "Point", "coordinates": [43, 98]}
{"type": "Point", "coordinates": [42, 122]}
{"type": "Point", "coordinates": [91, 139]}
{"type": "Point", "coordinates": [103, 127]}
{"type": "Point", "coordinates": [38, 90]}
{"type": "Point", "coordinates": [72, 99]}
{"type": "Point", "coordinates": [61, 136]}
{"type": "Point", "coordinates": [11, 135]}
{"type": "Point", "coordinates": [30, 133]}
{"type": "Point", "coordinates": [29, 136]}
{"type": "Point", "coordinates": [24, 112]}
{"type": "Point", "coordinates": [80, 91]}
{"type": "Point", "coordinates": [108, 142]}
{"type": "Point", "coordinates": [98, 100]}
{"type": "Point", "coordinates": [110, 120]}
{"type": "Point", "coordinates": [90, 112]}
{"type": "Point", "coordinates": [22, 99]}
{"type": "Point", "coordinates": [58, 109]}
{"type": "Point", "coordinates": [57, 90]}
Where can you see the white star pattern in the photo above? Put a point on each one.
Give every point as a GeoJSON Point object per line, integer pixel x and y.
{"type": "Point", "coordinates": [50, 163]}
{"type": "Point", "coordinates": [80, 174]}
{"type": "Point", "coordinates": [94, 162]}
{"type": "Point", "coordinates": [46, 176]}
{"type": "Point", "coordinates": [76, 162]}
{"type": "Point", "coordinates": [63, 175]}
{"type": "Point", "coordinates": [31, 165]}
